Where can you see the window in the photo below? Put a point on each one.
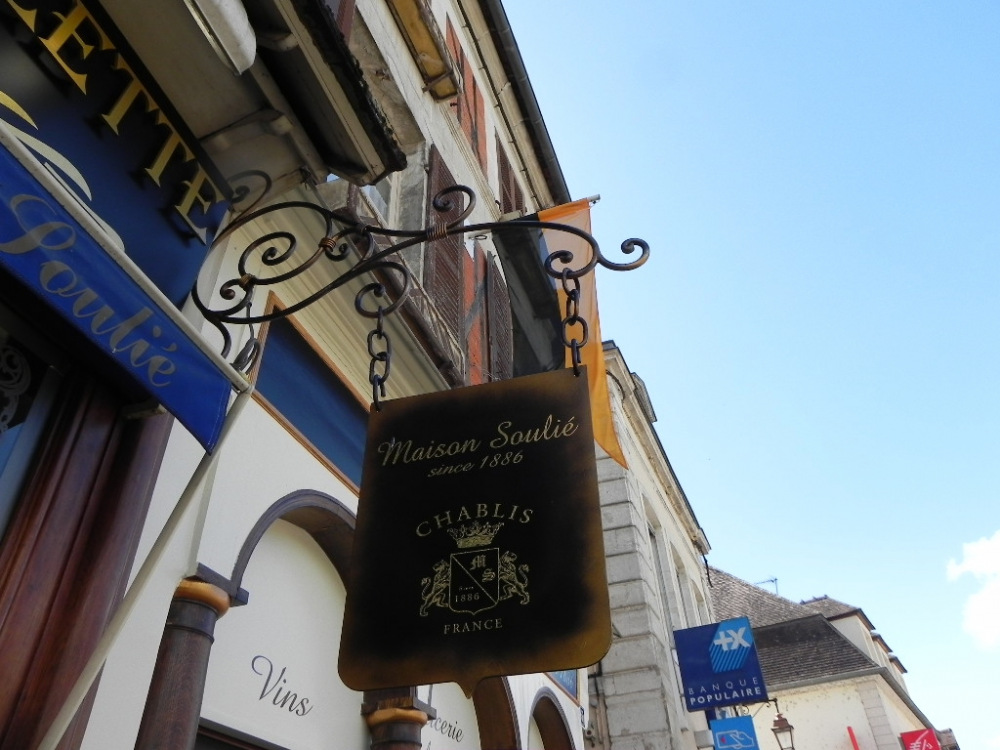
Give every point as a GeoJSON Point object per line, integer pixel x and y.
{"type": "Point", "coordinates": [210, 739]}
{"type": "Point", "coordinates": [444, 266]}
{"type": "Point", "coordinates": [511, 197]}
{"type": "Point", "coordinates": [683, 589]}
{"type": "Point", "coordinates": [657, 562]}
{"type": "Point", "coordinates": [28, 387]}
{"type": "Point", "coordinates": [469, 107]}
{"type": "Point", "coordinates": [499, 326]}
{"type": "Point", "coordinates": [379, 197]}
{"type": "Point", "coordinates": [299, 384]}
{"type": "Point", "coordinates": [568, 679]}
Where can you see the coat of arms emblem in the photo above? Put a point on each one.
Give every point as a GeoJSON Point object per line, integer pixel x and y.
{"type": "Point", "coordinates": [477, 577]}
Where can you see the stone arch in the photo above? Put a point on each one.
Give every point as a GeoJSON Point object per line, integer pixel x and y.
{"type": "Point", "coordinates": [551, 721]}
{"type": "Point", "coordinates": [182, 661]}
{"type": "Point", "coordinates": [323, 517]}
{"type": "Point", "coordinates": [495, 715]}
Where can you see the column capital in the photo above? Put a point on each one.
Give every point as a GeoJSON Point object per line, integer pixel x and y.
{"type": "Point", "coordinates": [191, 589]}
{"type": "Point", "coordinates": [405, 715]}
{"type": "Point", "coordinates": [395, 718]}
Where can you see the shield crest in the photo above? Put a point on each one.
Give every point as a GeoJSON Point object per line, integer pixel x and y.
{"type": "Point", "coordinates": [475, 580]}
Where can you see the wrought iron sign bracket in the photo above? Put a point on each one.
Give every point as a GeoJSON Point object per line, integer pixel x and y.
{"type": "Point", "coordinates": [352, 243]}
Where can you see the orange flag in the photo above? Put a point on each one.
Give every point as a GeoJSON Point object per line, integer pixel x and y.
{"type": "Point", "coordinates": [577, 215]}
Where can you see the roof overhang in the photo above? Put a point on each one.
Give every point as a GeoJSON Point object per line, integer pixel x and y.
{"type": "Point", "coordinates": [517, 74]}
{"type": "Point", "coordinates": [325, 84]}
{"type": "Point", "coordinates": [427, 47]}
{"type": "Point", "coordinates": [267, 85]}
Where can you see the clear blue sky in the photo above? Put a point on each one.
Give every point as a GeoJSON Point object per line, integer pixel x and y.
{"type": "Point", "coordinates": [818, 325]}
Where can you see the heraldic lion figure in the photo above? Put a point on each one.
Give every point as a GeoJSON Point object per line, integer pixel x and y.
{"type": "Point", "coordinates": [436, 591]}
{"type": "Point", "coordinates": [513, 578]}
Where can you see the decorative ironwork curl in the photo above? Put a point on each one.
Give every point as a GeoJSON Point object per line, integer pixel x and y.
{"type": "Point", "coordinates": [597, 258]}
{"type": "Point", "coordinates": [247, 195]}
{"type": "Point", "coordinates": [353, 244]}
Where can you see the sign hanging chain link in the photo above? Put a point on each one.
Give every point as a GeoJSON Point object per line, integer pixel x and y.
{"type": "Point", "coordinates": [380, 350]}
{"type": "Point", "coordinates": [380, 346]}
{"type": "Point", "coordinates": [571, 287]}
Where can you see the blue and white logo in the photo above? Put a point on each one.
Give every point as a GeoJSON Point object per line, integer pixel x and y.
{"type": "Point", "coordinates": [732, 643]}
{"type": "Point", "coordinates": [736, 733]}
{"type": "Point", "coordinates": [719, 666]}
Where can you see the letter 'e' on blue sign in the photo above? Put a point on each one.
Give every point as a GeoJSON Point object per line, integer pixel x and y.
{"type": "Point", "coordinates": [734, 734]}
{"type": "Point", "coordinates": [719, 665]}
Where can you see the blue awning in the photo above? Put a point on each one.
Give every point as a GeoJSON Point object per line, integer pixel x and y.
{"type": "Point", "coordinates": [44, 243]}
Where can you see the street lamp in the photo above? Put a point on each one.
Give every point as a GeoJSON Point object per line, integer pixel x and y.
{"type": "Point", "coordinates": [783, 732]}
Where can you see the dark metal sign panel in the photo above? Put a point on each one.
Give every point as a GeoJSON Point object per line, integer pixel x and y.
{"type": "Point", "coordinates": [478, 548]}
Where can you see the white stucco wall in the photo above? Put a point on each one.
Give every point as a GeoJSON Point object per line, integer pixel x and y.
{"type": "Point", "coordinates": [273, 669]}
{"type": "Point", "coordinates": [822, 713]}
{"type": "Point", "coordinates": [293, 618]}
{"type": "Point", "coordinates": [455, 725]}
{"type": "Point", "coordinates": [259, 464]}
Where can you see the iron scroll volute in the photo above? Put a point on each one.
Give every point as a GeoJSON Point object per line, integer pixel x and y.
{"type": "Point", "coordinates": [351, 247]}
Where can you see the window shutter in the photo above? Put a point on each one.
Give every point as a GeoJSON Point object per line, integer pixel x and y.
{"type": "Point", "coordinates": [445, 257]}
{"type": "Point", "coordinates": [511, 197]}
{"type": "Point", "coordinates": [479, 127]}
{"type": "Point", "coordinates": [461, 104]}
{"type": "Point", "coordinates": [476, 317]}
{"type": "Point", "coordinates": [470, 106]}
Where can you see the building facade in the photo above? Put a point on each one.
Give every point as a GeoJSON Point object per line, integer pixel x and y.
{"type": "Point", "coordinates": [655, 552]}
{"type": "Point", "coordinates": [827, 670]}
{"type": "Point", "coordinates": [217, 140]}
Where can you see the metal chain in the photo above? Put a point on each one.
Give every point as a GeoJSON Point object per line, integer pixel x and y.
{"type": "Point", "coordinates": [571, 286]}
{"type": "Point", "coordinates": [381, 359]}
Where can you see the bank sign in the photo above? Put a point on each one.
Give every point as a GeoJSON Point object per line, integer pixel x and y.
{"type": "Point", "coordinates": [719, 665]}
{"type": "Point", "coordinates": [921, 739]}
{"type": "Point", "coordinates": [736, 733]}
{"type": "Point", "coordinates": [478, 549]}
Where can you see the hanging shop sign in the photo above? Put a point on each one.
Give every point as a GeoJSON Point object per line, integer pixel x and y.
{"type": "Point", "coordinates": [719, 665]}
{"type": "Point", "coordinates": [921, 739]}
{"type": "Point", "coordinates": [735, 733]}
{"type": "Point", "coordinates": [478, 549]}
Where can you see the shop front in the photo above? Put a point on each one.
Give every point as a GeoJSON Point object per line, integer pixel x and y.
{"type": "Point", "coordinates": [120, 160]}
{"type": "Point", "coordinates": [106, 208]}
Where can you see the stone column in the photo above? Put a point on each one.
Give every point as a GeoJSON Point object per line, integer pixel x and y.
{"type": "Point", "coordinates": [173, 704]}
{"type": "Point", "coordinates": [395, 718]}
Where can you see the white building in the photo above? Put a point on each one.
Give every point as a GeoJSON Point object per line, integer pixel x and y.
{"type": "Point", "coordinates": [827, 671]}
